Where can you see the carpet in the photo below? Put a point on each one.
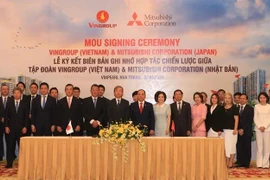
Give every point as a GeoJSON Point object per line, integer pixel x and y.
{"type": "Point", "coordinates": [234, 173]}
{"type": "Point", "coordinates": [8, 174]}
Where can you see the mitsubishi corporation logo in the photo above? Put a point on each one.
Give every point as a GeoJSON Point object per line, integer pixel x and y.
{"type": "Point", "coordinates": [153, 20]}
{"type": "Point", "coordinates": [138, 23]}
{"type": "Point", "coordinates": [103, 16]}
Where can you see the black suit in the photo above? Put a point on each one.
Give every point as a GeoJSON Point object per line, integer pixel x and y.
{"type": "Point", "coordinates": [2, 126]}
{"type": "Point", "coordinates": [43, 118]}
{"type": "Point", "coordinates": [244, 141]}
{"type": "Point", "coordinates": [206, 123]}
{"type": "Point", "coordinates": [147, 116]}
{"type": "Point", "coordinates": [28, 99]}
{"type": "Point", "coordinates": [94, 113]}
{"type": "Point", "coordinates": [118, 113]}
{"type": "Point", "coordinates": [182, 119]}
{"type": "Point", "coordinates": [214, 119]}
{"type": "Point", "coordinates": [66, 114]}
{"type": "Point", "coordinates": [15, 121]}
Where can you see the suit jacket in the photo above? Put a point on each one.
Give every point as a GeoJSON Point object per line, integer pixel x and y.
{"type": "Point", "coordinates": [43, 117]}
{"type": "Point", "coordinates": [65, 114]}
{"type": "Point", "coordinates": [147, 117]}
{"type": "Point", "coordinates": [246, 120]}
{"type": "Point", "coordinates": [118, 113]}
{"type": "Point", "coordinates": [182, 120]}
{"type": "Point", "coordinates": [16, 120]}
{"type": "Point", "coordinates": [28, 99]}
{"type": "Point", "coordinates": [214, 120]}
{"type": "Point", "coordinates": [2, 109]}
{"type": "Point", "coordinates": [90, 112]}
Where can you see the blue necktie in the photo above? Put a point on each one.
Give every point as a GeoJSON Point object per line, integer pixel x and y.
{"type": "Point", "coordinates": [95, 102]}
{"type": "Point", "coordinates": [44, 102]}
{"type": "Point", "coordinates": [5, 102]}
{"type": "Point", "coordinates": [17, 106]}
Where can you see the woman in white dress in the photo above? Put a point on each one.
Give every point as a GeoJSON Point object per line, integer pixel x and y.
{"type": "Point", "coordinates": [262, 128]}
{"type": "Point", "coordinates": [162, 113]}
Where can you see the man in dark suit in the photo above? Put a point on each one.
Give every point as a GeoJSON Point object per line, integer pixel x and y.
{"type": "Point", "coordinates": [142, 113]}
{"type": "Point", "coordinates": [181, 115]}
{"type": "Point", "coordinates": [94, 112]}
{"type": "Point", "coordinates": [33, 94]}
{"type": "Point", "coordinates": [54, 93]}
{"type": "Point", "coordinates": [134, 96]}
{"type": "Point", "coordinates": [43, 112]}
{"type": "Point", "coordinates": [118, 110]}
{"type": "Point", "coordinates": [77, 92]}
{"type": "Point", "coordinates": [69, 109]}
{"type": "Point", "coordinates": [221, 95]}
{"type": "Point", "coordinates": [21, 85]}
{"type": "Point", "coordinates": [16, 121]}
{"type": "Point", "coordinates": [236, 99]}
{"type": "Point", "coordinates": [246, 114]}
{"type": "Point", "coordinates": [3, 104]}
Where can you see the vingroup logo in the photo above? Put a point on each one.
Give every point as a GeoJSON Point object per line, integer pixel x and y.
{"type": "Point", "coordinates": [102, 17]}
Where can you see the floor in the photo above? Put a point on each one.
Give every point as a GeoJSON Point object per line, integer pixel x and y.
{"type": "Point", "coordinates": [234, 173]}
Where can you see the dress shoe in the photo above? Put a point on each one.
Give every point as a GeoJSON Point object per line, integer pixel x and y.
{"type": "Point", "coordinates": [8, 166]}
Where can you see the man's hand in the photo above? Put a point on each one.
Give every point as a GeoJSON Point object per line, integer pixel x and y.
{"type": "Point", "coordinates": [152, 132]}
{"type": "Point", "coordinates": [59, 129]}
{"type": "Point", "coordinates": [78, 128]}
{"type": "Point", "coordinates": [188, 133]}
{"type": "Point", "coordinates": [2, 120]}
{"type": "Point", "coordinates": [7, 130]}
{"type": "Point", "coordinates": [241, 132]}
{"type": "Point", "coordinates": [33, 128]}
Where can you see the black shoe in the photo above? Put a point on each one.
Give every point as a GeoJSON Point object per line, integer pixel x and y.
{"type": "Point", "coordinates": [246, 167]}
{"type": "Point", "coordinates": [8, 166]}
{"type": "Point", "coordinates": [239, 165]}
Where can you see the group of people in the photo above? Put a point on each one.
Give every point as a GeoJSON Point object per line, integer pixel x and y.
{"type": "Point", "coordinates": [227, 116]}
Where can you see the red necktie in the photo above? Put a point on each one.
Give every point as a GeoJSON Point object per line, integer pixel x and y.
{"type": "Point", "coordinates": [141, 108]}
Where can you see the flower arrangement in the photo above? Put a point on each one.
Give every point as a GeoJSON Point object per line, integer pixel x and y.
{"type": "Point", "coordinates": [119, 135]}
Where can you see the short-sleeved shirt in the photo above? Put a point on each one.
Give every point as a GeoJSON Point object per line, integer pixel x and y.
{"type": "Point", "coordinates": [229, 117]}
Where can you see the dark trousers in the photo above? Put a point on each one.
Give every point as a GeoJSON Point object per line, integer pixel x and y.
{"type": "Point", "coordinates": [244, 150]}
{"type": "Point", "coordinates": [2, 131]}
{"type": "Point", "coordinates": [43, 131]}
{"type": "Point", "coordinates": [12, 138]}
{"type": "Point", "coordinates": [93, 132]}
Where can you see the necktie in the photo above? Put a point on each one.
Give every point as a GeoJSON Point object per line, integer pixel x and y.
{"type": "Point", "coordinates": [17, 106]}
{"type": "Point", "coordinates": [118, 102]}
{"type": "Point", "coordinates": [5, 102]}
{"type": "Point", "coordinates": [241, 110]}
{"type": "Point", "coordinates": [44, 102]}
{"type": "Point", "coordinates": [179, 107]}
{"type": "Point", "coordinates": [68, 102]}
{"type": "Point", "coordinates": [32, 97]}
{"type": "Point", "coordinates": [141, 108]}
{"type": "Point", "coordinates": [95, 102]}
